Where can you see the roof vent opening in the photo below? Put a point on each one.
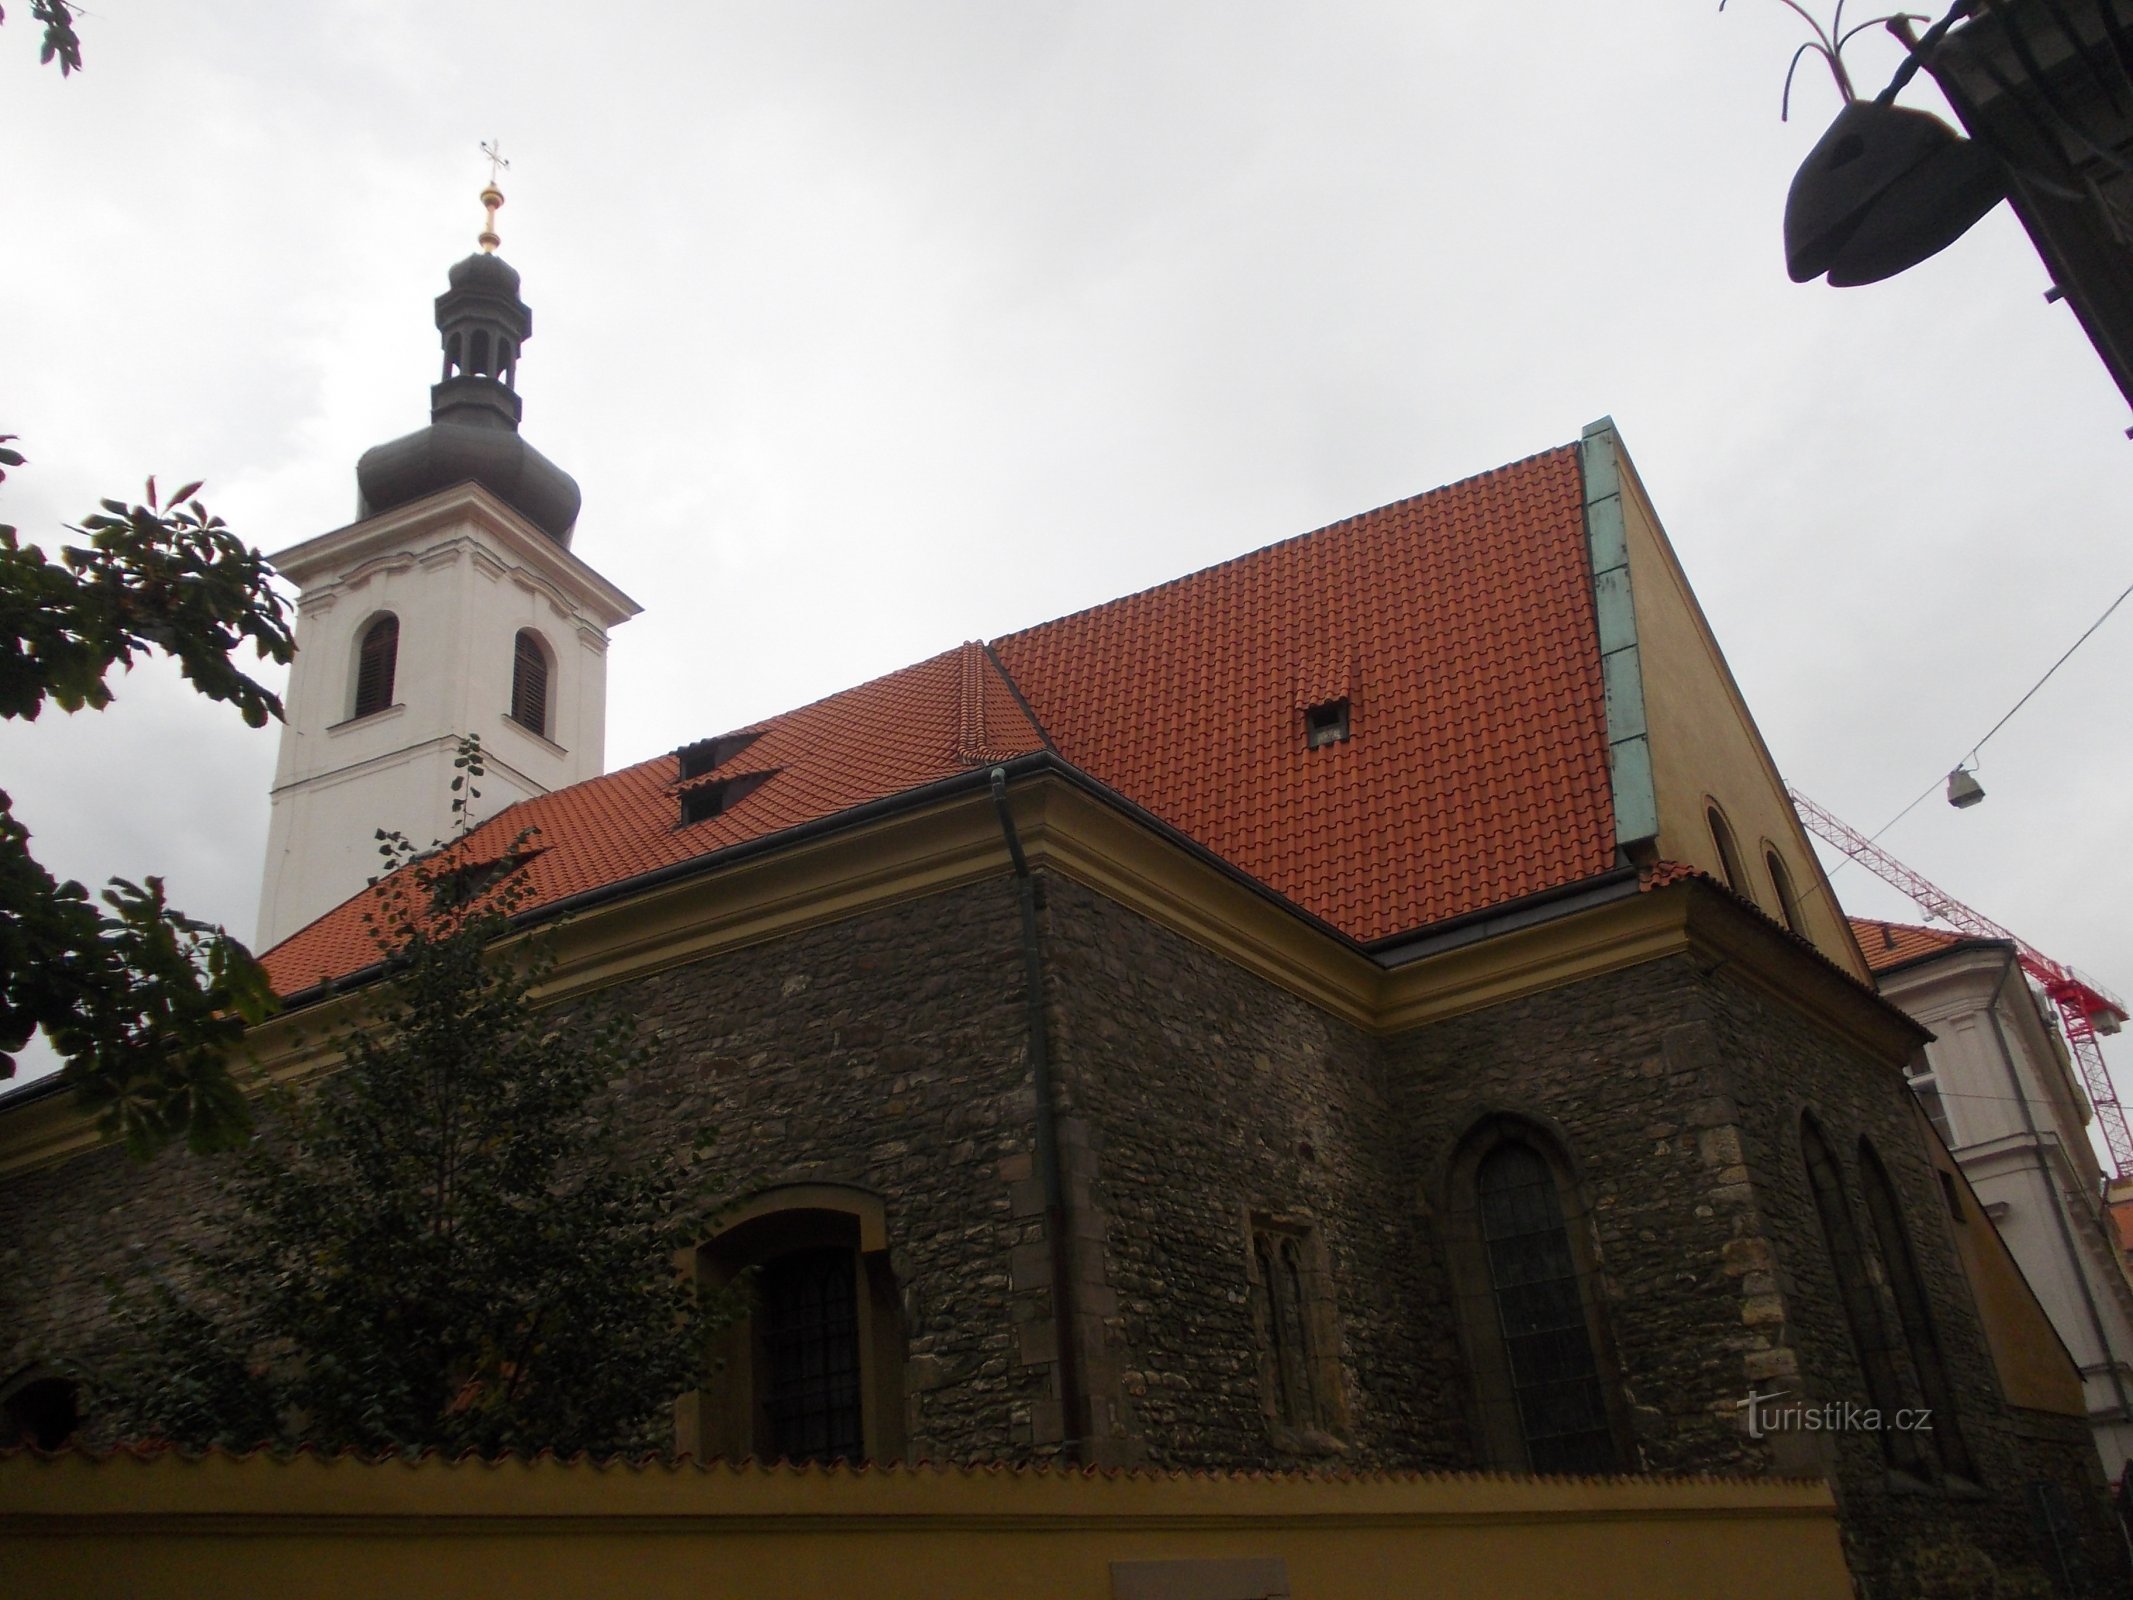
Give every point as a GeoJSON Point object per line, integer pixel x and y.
{"type": "Point", "coordinates": [708, 800]}
{"type": "Point", "coordinates": [1326, 722]}
{"type": "Point", "coordinates": [707, 755]}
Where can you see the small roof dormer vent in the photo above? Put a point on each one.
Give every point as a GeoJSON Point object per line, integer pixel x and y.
{"type": "Point", "coordinates": [708, 755]}
{"type": "Point", "coordinates": [1326, 723]}
{"type": "Point", "coordinates": [703, 801]}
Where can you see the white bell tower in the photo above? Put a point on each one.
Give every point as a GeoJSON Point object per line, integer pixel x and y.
{"type": "Point", "coordinates": [452, 605]}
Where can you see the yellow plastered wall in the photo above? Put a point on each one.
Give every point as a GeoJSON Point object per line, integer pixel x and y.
{"type": "Point", "coordinates": [2036, 1373]}
{"type": "Point", "coordinates": [226, 1526]}
{"type": "Point", "coordinates": [1705, 746]}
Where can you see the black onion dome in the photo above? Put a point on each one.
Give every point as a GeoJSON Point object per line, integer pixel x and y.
{"type": "Point", "coordinates": [488, 273]}
{"type": "Point", "coordinates": [446, 454]}
{"type": "Point", "coordinates": [474, 411]}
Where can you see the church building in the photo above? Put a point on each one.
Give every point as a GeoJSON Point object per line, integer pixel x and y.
{"type": "Point", "coordinates": [1368, 1005]}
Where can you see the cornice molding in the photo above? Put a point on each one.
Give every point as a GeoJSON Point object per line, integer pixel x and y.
{"type": "Point", "coordinates": [440, 519]}
{"type": "Point", "coordinates": [1068, 829]}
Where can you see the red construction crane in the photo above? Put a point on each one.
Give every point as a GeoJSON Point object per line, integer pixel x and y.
{"type": "Point", "coordinates": [2084, 1010]}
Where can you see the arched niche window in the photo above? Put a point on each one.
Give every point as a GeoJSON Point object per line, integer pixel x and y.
{"type": "Point", "coordinates": [530, 677]}
{"type": "Point", "coordinates": [1781, 882]}
{"type": "Point", "coordinates": [1863, 1319]}
{"type": "Point", "coordinates": [1728, 852]}
{"type": "Point", "coordinates": [377, 656]}
{"type": "Point", "coordinates": [1942, 1434]}
{"type": "Point", "coordinates": [815, 1371]}
{"type": "Point", "coordinates": [1526, 1280]}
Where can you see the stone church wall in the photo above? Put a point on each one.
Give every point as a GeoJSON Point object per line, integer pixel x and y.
{"type": "Point", "coordinates": [1620, 1073]}
{"type": "Point", "coordinates": [1778, 1068]}
{"type": "Point", "coordinates": [67, 1232]}
{"type": "Point", "coordinates": [1204, 1108]}
{"type": "Point", "coordinates": [1216, 1098]}
{"type": "Point", "coordinates": [887, 1052]}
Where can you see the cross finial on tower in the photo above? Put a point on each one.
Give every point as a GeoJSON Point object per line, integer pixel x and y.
{"type": "Point", "coordinates": [492, 197]}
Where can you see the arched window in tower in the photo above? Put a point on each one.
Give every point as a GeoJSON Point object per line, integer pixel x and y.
{"type": "Point", "coordinates": [1942, 1435]}
{"type": "Point", "coordinates": [1728, 851]}
{"type": "Point", "coordinates": [1856, 1297]}
{"type": "Point", "coordinates": [529, 682]}
{"type": "Point", "coordinates": [376, 658]}
{"type": "Point", "coordinates": [480, 363]}
{"type": "Point", "coordinates": [1528, 1306]}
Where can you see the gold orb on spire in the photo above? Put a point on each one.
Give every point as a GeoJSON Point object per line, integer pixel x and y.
{"type": "Point", "coordinates": [491, 196]}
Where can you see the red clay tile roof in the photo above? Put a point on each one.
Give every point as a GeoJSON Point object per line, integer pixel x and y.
{"type": "Point", "coordinates": [1660, 874]}
{"type": "Point", "coordinates": [1458, 625]}
{"type": "Point", "coordinates": [1888, 945]}
{"type": "Point", "coordinates": [926, 722]}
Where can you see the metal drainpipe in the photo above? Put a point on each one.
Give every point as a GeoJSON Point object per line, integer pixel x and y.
{"type": "Point", "coordinates": [1048, 1173]}
{"type": "Point", "coordinates": [2051, 1185]}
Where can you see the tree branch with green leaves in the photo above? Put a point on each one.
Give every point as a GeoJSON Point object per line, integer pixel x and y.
{"type": "Point", "coordinates": [458, 1238]}
{"type": "Point", "coordinates": [142, 1003]}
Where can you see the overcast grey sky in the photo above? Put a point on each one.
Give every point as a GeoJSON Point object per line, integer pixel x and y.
{"type": "Point", "coordinates": [868, 328]}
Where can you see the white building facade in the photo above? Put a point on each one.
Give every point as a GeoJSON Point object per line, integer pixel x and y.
{"type": "Point", "coordinates": [1998, 1084]}
{"type": "Point", "coordinates": [452, 606]}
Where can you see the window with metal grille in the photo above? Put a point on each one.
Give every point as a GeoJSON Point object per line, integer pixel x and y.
{"type": "Point", "coordinates": [529, 683]}
{"type": "Point", "coordinates": [810, 1323]}
{"type": "Point", "coordinates": [376, 658]}
{"type": "Point", "coordinates": [1540, 1309]}
{"type": "Point", "coordinates": [44, 1411]}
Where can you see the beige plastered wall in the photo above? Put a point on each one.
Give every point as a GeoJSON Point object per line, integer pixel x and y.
{"type": "Point", "coordinates": [327, 1528]}
{"type": "Point", "coordinates": [2036, 1373]}
{"type": "Point", "coordinates": [1705, 746]}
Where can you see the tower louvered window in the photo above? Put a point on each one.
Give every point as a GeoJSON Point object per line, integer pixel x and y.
{"type": "Point", "coordinates": [375, 661]}
{"type": "Point", "coordinates": [529, 683]}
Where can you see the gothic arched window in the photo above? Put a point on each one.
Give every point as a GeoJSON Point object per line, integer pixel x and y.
{"type": "Point", "coordinates": [529, 682]}
{"type": "Point", "coordinates": [376, 658]}
{"type": "Point", "coordinates": [1528, 1306]}
{"type": "Point", "coordinates": [1941, 1433]}
{"type": "Point", "coordinates": [1856, 1297]}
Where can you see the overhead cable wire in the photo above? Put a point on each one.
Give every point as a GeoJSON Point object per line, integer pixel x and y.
{"type": "Point", "coordinates": [1971, 758]}
{"type": "Point", "coordinates": [2054, 667]}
